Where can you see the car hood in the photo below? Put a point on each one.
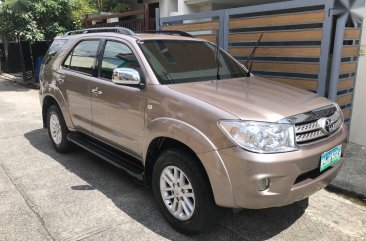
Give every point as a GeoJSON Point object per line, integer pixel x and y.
{"type": "Point", "coordinates": [253, 98]}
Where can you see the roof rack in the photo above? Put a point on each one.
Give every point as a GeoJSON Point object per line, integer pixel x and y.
{"type": "Point", "coordinates": [171, 32]}
{"type": "Point", "coordinates": [121, 30]}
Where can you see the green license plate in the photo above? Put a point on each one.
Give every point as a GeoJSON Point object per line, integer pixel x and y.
{"type": "Point", "coordinates": [330, 157]}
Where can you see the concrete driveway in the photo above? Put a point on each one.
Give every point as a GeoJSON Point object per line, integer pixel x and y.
{"type": "Point", "coordinates": [48, 196]}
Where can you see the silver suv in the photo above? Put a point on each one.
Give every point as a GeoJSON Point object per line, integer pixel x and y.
{"type": "Point", "coordinates": [186, 118]}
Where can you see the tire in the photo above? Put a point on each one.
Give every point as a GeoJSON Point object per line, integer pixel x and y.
{"type": "Point", "coordinates": [58, 134]}
{"type": "Point", "coordinates": [205, 212]}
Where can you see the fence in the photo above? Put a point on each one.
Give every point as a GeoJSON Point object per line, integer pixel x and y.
{"type": "Point", "coordinates": [306, 43]}
{"type": "Point", "coordinates": [31, 51]}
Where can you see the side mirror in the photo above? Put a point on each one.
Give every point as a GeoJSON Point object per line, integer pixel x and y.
{"type": "Point", "coordinates": [126, 76]}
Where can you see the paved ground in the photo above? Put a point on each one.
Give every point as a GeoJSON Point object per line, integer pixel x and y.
{"type": "Point", "coordinates": [48, 196]}
{"type": "Point", "coordinates": [351, 179]}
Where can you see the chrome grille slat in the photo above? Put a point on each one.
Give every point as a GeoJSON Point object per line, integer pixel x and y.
{"type": "Point", "coordinates": [309, 136]}
{"type": "Point", "coordinates": [336, 125]}
{"type": "Point", "coordinates": [310, 131]}
{"type": "Point", "coordinates": [307, 127]}
{"type": "Point", "coordinates": [335, 117]}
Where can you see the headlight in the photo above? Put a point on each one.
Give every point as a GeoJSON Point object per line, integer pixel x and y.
{"type": "Point", "coordinates": [261, 137]}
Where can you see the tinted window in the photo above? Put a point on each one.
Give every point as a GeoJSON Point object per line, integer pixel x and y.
{"type": "Point", "coordinates": [53, 50]}
{"type": "Point", "coordinates": [117, 55]}
{"type": "Point", "coordinates": [83, 56]}
{"type": "Point", "coordinates": [177, 61]}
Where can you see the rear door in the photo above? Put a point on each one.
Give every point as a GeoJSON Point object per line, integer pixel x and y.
{"type": "Point", "coordinates": [78, 71]}
{"type": "Point", "coordinates": [118, 110]}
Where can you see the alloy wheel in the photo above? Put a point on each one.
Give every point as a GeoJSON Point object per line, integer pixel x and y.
{"type": "Point", "coordinates": [177, 192]}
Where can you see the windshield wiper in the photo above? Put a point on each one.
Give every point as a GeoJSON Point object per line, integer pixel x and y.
{"type": "Point", "coordinates": [168, 77]}
{"type": "Point", "coordinates": [251, 57]}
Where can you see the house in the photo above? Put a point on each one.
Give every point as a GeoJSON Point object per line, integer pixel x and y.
{"type": "Point", "coordinates": [178, 7]}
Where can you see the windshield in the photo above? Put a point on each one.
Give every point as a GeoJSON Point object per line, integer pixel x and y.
{"type": "Point", "coordinates": [177, 61]}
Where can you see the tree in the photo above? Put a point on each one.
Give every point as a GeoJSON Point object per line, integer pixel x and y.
{"type": "Point", "coordinates": [24, 20]}
{"type": "Point", "coordinates": [17, 23]}
{"type": "Point", "coordinates": [55, 17]}
{"type": "Point", "coordinates": [117, 6]}
{"type": "Point", "coordinates": [42, 19]}
{"type": "Point", "coordinates": [51, 16]}
{"type": "Point", "coordinates": [19, 5]}
{"type": "Point", "coordinates": [79, 9]}
{"type": "Point", "coordinates": [35, 20]}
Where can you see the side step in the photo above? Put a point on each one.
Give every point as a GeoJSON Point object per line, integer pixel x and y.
{"type": "Point", "coordinates": [131, 165]}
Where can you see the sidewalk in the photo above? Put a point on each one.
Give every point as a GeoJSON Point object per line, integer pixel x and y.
{"type": "Point", "coordinates": [18, 78]}
{"type": "Point", "coordinates": [351, 179]}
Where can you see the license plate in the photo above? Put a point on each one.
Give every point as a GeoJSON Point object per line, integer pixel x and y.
{"type": "Point", "coordinates": [330, 157]}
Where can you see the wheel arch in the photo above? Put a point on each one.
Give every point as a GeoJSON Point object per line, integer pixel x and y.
{"type": "Point", "coordinates": [165, 133]}
{"type": "Point", "coordinates": [49, 100]}
{"type": "Point", "coordinates": [156, 147]}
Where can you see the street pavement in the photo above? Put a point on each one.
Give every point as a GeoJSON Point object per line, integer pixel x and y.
{"type": "Point", "coordinates": [351, 178]}
{"type": "Point", "coordinates": [45, 195]}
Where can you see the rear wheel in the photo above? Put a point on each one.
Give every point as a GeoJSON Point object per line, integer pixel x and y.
{"type": "Point", "coordinates": [183, 192]}
{"type": "Point", "coordinates": [57, 129]}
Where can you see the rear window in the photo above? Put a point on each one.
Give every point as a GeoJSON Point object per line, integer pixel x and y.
{"type": "Point", "coordinates": [54, 48]}
{"type": "Point", "coordinates": [82, 58]}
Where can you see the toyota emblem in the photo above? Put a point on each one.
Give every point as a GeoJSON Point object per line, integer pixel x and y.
{"type": "Point", "coordinates": [325, 125]}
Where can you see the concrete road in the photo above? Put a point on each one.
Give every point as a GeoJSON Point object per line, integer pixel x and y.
{"type": "Point", "coordinates": [48, 196]}
{"type": "Point", "coordinates": [351, 177]}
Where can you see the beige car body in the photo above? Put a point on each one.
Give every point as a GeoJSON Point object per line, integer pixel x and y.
{"type": "Point", "coordinates": [132, 119]}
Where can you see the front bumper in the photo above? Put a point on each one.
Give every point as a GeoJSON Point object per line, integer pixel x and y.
{"type": "Point", "coordinates": [294, 175]}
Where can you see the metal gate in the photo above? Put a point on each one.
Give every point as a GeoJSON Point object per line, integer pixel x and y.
{"type": "Point", "coordinates": [311, 44]}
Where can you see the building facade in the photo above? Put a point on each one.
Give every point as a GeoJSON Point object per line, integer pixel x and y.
{"type": "Point", "coordinates": [178, 7]}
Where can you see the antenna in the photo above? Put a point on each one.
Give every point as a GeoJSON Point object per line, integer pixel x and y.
{"type": "Point", "coordinates": [251, 56]}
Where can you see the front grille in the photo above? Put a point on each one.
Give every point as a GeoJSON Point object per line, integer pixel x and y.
{"type": "Point", "coordinates": [317, 124]}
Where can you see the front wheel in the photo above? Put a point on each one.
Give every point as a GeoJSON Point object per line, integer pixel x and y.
{"type": "Point", "coordinates": [183, 192]}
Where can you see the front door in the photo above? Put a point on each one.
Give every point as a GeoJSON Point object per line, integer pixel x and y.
{"type": "Point", "coordinates": [118, 110]}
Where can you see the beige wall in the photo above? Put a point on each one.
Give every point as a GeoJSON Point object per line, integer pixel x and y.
{"type": "Point", "coordinates": [358, 121]}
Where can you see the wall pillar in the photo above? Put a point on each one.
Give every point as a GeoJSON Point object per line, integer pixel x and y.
{"type": "Point", "coordinates": [358, 129]}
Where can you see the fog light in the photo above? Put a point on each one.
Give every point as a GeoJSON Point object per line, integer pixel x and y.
{"type": "Point", "coordinates": [263, 184]}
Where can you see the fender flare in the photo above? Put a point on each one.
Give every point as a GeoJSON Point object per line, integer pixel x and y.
{"type": "Point", "coordinates": [205, 150]}
{"type": "Point", "coordinates": [178, 130]}
{"type": "Point", "coordinates": [60, 100]}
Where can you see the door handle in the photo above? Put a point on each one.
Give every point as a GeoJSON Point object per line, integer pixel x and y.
{"type": "Point", "coordinates": [96, 91]}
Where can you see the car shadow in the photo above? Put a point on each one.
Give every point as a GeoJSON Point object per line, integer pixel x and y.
{"type": "Point", "coordinates": [235, 225]}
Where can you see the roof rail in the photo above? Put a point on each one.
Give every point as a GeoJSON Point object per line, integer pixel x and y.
{"type": "Point", "coordinates": [171, 32]}
{"type": "Point", "coordinates": [121, 30]}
